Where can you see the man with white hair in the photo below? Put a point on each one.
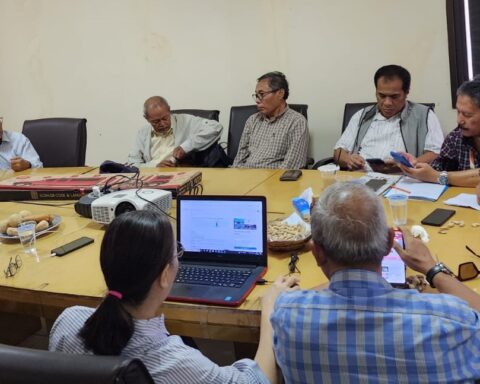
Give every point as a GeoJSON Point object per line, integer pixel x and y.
{"type": "Point", "coordinates": [361, 329]}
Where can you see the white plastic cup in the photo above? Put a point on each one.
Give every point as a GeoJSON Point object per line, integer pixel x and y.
{"type": "Point", "coordinates": [398, 205]}
{"type": "Point", "coordinates": [26, 234]}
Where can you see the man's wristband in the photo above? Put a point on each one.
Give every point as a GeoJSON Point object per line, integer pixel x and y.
{"type": "Point", "coordinates": [437, 268]}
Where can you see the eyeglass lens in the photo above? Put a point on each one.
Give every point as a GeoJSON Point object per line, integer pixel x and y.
{"type": "Point", "coordinates": [467, 271]}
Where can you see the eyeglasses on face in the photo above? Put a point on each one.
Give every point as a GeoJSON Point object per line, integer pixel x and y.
{"type": "Point", "coordinates": [180, 250]}
{"type": "Point", "coordinates": [13, 266]}
{"type": "Point", "coordinates": [260, 95]}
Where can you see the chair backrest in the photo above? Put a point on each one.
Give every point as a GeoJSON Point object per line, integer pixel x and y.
{"type": "Point", "coordinates": [352, 108]}
{"type": "Point", "coordinates": [60, 142]}
{"type": "Point", "coordinates": [205, 113]}
{"type": "Point", "coordinates": [24, 365]}
{"type": "Point", "coordinates": [239, 116]}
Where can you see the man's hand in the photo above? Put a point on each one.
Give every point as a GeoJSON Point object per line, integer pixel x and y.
{"type": "Point", "coordinates": [416, 254]}
{"type": "Point", "coordinates": [18, 164]}
{"type": "Point", "coordinates": [422, 171]}
{"type": "Point", "coordinates": [179, 153]}
{"type": "Point", "coordinates": [280, 285]}
{"type": "Point", "coordinates": [167, 163]}
{"type": "Point", "coordinates": [354, 161]}
{"type": "Point", "coordinates": [411, 159]}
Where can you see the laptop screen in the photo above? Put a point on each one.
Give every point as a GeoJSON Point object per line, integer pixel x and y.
{"type": "Point", "coordinates": [222, 227]}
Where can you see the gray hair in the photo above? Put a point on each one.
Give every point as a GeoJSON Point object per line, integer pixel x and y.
{"type": "Point", "coordinates": [471, 89]}
{"type": "Point", "coordinates": [154, 102]}
{"type": "Point", "coordinates": [349, 222]}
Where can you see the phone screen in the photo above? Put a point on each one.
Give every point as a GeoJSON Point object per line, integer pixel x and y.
{"type": "Point", "coordinates": [393, 267]}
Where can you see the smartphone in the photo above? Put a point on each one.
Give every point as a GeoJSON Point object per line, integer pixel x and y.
{"type": "Point", "coordinates": [438, 217]}
{"type": "Point", "coordinates": [393, 267]}
{"type": "Point", "coordinates": [400, 159]}
{"type": "Point", "coordinates": [291, 175]}
{"type": "Point", "coordinates": [376, 184]}
{"type": "Point", "coordinates": [72, 246]}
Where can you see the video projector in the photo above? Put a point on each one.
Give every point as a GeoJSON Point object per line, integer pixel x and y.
{"type": "Point", "coordinates": [111, 205]}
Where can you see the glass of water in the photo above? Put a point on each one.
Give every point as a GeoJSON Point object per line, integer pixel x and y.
{"type": "Point", "coordinates": [26, 233]}
{"type": "Point", "coordinates": [398, 205]}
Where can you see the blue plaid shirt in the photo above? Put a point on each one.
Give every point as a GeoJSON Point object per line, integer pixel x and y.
{"type": "Point", "coordinates": [362, 330]}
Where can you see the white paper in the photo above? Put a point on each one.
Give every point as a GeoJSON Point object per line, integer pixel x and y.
{"type": "Point", "coordinates": [464, 200]}
{"type": "Point", "coordinates": [416, 189]}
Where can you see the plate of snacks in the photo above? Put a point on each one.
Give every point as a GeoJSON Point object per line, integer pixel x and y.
{"type": "Point", "coordinates": [288, 234]}
{"type": "Point", "coordinates": [45, 223]}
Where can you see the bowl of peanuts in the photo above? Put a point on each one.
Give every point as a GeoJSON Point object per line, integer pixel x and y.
{"type": "Point", "coordinates": [285, 235]}
{"type": "Point", "coordinates": [45, 223]}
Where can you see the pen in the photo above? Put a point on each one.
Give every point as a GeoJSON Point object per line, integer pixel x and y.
{"type": "Point", "coordinates": [400, 189]}
{"type": "Point", "coordinates": [471, 250]}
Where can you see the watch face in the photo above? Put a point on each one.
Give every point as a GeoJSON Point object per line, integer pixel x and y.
{"type": "Point", "coordinates": [443, 178]}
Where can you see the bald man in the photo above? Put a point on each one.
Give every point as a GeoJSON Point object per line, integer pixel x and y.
{"type": "Point", "coordinates": [171, 138]}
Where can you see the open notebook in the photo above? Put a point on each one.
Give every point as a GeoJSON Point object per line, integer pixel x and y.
{"type": "Point", "coordinates": [416, 189]}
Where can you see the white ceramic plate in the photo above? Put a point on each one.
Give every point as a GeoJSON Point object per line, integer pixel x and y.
{"type": "Point", "coordinates": [55, 223]}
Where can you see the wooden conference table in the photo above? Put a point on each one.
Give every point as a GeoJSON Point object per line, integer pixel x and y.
{"type": "Point", "coordinates": [46, 285]}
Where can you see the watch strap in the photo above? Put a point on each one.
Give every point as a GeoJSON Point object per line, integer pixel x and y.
{"type": "Point", "coordinates": [437, 268]}
{"type": "Point", "coordinates": [443, 178]}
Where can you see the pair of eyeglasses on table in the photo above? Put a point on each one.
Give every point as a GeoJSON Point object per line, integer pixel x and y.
{"type": "Point", "coordinates": [468, 270]}
{"type": "Point", "coordinates": [13, 266]}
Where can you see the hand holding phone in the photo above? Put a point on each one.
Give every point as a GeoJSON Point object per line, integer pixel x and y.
{"type": "Point", "coordinates": [399, 158]}
{"type": "Point", "coordinates": [393, 267]}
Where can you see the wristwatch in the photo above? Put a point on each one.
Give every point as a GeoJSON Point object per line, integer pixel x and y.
{"type": "Point", "coordinates": [443, 178]}
{"type": "Point", "coordinates": [437, 268]}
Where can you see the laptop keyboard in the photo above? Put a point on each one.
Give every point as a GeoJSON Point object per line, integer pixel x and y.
{"type": "Point", "coordinates": [218, 277]}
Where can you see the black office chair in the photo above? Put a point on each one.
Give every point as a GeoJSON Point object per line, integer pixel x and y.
{"type": "Point", "coordinates": [60, 142]}
{"type": "Point", "coordinates": [213, 156]}
{"type": "Point", "coordinates": [348, 112]}
{"type": "Point", "coordinates": [24, 365]}
{"type": "Point", "coordinates": [239, 116]}
{"type": "Point", "coordinates": [205, 113]}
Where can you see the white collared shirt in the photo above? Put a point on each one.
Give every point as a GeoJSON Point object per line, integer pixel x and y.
{"type": "Point", "coordinates": [17, 144]}
{"type": "Point", "coordinates": [384, 136]}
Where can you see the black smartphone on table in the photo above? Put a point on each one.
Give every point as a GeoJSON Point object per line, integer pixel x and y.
{"type": "Point", "coordinates": [291, 175]}
{"type": "Point", "coordinates": [438, 217]}
{"type": "Point", "coordinates": [72, 246]}
{"type": "Point", "coordinates": [394, 269]}
{"type": "Point", "coordinates": [378, 165]}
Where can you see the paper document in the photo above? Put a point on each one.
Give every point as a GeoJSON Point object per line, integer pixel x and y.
{"type": "Point", "coordinates": [464, 200]}
{"type": "Point", "coordinates": [416, 189]}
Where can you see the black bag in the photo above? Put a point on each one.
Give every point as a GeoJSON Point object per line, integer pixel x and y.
{"type": "Point", "coordinates": [212, 157]}
{"type": "Point", "coordinates": [109, 166]}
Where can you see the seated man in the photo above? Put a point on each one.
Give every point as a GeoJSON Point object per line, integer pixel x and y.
{"type": "Point", "coordinates": [16, 151]}
{"type": "Point", "coordinates": [461, 148]}
{"type": "Point", "coordinates": [393, 124]}
{"type": "Point", "coordinates": [171, 138]}
{"type": "Point", "coordinates": [362, 330]}
{"type": "Point", "coordinates": [276, 136]}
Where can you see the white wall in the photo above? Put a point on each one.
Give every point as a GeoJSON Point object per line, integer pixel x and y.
{"type": "Point", "coordinates": [100, 59]}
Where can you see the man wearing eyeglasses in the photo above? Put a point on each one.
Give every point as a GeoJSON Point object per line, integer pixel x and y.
{"type": "Point", "coordinates": [276, 136]}
{"type": "Point", "coordinates": [16, 151]}
{"type": "Point", "coordinates": [362, 330]}
{"type": "Point", "coordinates": [392, 124]}
{"type": "Point", "coordinates": [171, 139]}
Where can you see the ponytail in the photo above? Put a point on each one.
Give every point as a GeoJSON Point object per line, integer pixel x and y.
{"type": "Point", "coordinates": [109, 329]}
{"type": "Point", "coordinates": [136, 248]}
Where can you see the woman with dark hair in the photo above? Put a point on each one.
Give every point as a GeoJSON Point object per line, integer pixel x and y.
{"type": "Point", "coordinates": [139, 260]}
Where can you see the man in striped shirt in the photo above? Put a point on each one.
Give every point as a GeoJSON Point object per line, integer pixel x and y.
{"type": "Point", "coordinates": [393, 124]}
{"type": "Point", "coordinates": [360, 329]}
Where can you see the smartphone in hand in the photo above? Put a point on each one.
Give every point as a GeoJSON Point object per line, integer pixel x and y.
{"type": "Point", "coordinates": [393, 267]}
{"type": "Point", "coordinates": [399, 158]}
